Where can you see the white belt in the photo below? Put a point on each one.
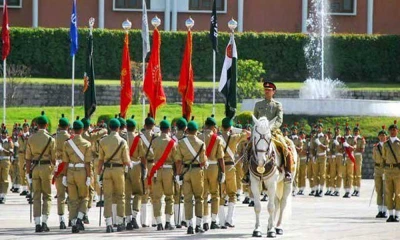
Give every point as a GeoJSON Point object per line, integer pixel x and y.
{"type": "Point", "coordinates": [321, 154]}
{"type": "Point", "coordinates": [167, 166]}
{"type": "Point", "coordinates": [134, 163]}
{"type": "Point", "coordinates": [77, 165]}
{"type": "Point", "coordinates": [5, 158]}
{"type": "Point", "coordinates": [357, 154]}
{"type": "Point", "coordinates": [303, 158]}
{"type": "Point", "coordinates": [339, 154]}
{"type": "Point", "coordinates": [212, 162]}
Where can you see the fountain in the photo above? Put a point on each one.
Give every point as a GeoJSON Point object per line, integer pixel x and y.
{"type": "Point", "coordinates": [319, 94]}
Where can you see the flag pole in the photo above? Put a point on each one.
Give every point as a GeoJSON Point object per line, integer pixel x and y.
{"type": "Point", "coordinates": [4, 91]}
{"type": "Point", "coordinates": [214, 57]}
{"type": "Point", "coordinates": [143, 96]}
{"type": "Point", "coordinates": [73, 87]}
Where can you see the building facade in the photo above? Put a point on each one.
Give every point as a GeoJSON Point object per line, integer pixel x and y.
{"type": "Point", "coordinates": [348, 16]}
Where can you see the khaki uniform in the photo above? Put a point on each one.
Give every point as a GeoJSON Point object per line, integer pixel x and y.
{"type": "Point", "coordinates": [113, 175]}
{"type": "Point", "coordinates": [270, 109]}
{"type": "Point", "coordinates": [22, 141]}
{"type": "Point", "coordinates": [149, 155]}
{"type": "Point", "coordinates": [360, 146]}
{"type": "Point", "coordinates": [211, 183]}
{"type": "Point", "coordinates": [302, 173]}
{"type": "Point", "coordinates": [299, 145]}
{"type": "Point", "coordinates": [193, 179]}
{"type": "Point", "coordinates": [320, 157]}
{"type": "Point", "coordinates": [76, 175]}
{"type": "Point", "coordinates": [312, 165]}
{"type": "Point", "coordinates": [14, 169]}
{"type": "Point", "coordinates": [348, 166]}
{"type": "Point", "coordinates": [61, 137]}
{"type": "Point", "coordinates": [179, 212]}
{"type": "Point", "coordinates": [239, 166]}
{"type": "Point", "coordinates": [377, 155]}
{"type": "Point", "coordinates": [330, 164]}
{"type": "Point", "coordinates": [336, 163]}
{"type": "Point", "coordinates": [42, 171]}
{"type": "Point", "coordinates": [392, 174]}
{"type": "Point", "coordinates": [163, 182]}
{"type": "Point", "coordinates": [5, 164]}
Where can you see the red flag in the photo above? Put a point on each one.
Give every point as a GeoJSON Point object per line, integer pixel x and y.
{"type": "Point", "coordinates": [185, 86]}
{"type": "Point", "coordinates": [5, 33]}
{"type": "Point", "coordinates": [126, 86]}
{"type": "Point", "coordinates": [152, 85]}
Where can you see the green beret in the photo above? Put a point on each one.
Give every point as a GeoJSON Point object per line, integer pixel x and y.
{"type": "Point", "coordinates": [239, 125]}
{"type": "Point", "coordinates": [356, 128]}
{"type": "Point", "coordinates": [383, 131]}
{"type": "Point", "coordinates": [4, 131]}
{"type": "Point", "coordinates": [320, 124]}
{"type": "Point", "coordinates": [131, 122]}
{"type": "Point", "coordinates": [192, 125]}
{"type": "Point", "coordinates": [165, 124]}
{"type": "Point", "coordinates": [86, 122]}
{"type": "Point", "coordinates": [42, 119]}
{"type": "Point", "coordinates": [210, 121]}
{"type": "Point", "coordinates": [122, 121]}
{"type": "Point", "coordinates": [227, 122]}
{"type": "Point", "coordinates": [63, 122]}
{"type": "Point", "coordinates": [26, 124]}
{"type": "Point", "coordinates": [149, 121]}
{"type": "Point", "coordinates": [114, 123]}
{"type": "Point", "coordinates": [285, 129]}
{"type": "Point", "coordinates": [301, 132]}
{"type": "Point", "coordinates": [181, 123]}
{"type": "Point", "coordinates": [77, 125]}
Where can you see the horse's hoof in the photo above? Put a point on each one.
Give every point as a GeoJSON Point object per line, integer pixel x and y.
{"type": "Point", "coordinates": [279, 231]}
{"type": "Point", "coordinates": [271, 235]}
{"type": "Point", "coordinates": [257, 234]}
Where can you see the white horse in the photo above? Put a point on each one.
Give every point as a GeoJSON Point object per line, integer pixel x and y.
{"type": "Point", "coordinates": [264, 166]}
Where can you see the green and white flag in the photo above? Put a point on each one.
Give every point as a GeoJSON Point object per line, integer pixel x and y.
{"type": "Point", "coordinates": [227, 83]}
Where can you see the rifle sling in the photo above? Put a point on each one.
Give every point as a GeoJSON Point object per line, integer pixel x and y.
{"type": "Point", "coordinates": [391, 149]}
{"type": "Point", "coordinates": [41, 154]}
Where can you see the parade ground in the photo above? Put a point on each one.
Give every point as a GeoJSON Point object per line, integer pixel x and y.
{"type": "Point", "coordinates": [312, 218]}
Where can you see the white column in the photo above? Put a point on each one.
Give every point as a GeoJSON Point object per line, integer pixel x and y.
{"type": "Point", "coordinates": [304, 16]}
{"type": "Point", "coordinates": [167, 16]}
{"type": "Point", "coordinates": [101, 14]}
{"type": "Point", "coordinates": [35, 13]}
{"type": "Point", "coordinates": [240, 15]}
{"type": "Point", "coordinates": [370, 17]}
{"type": "Point", "coordinates": [174, 15]}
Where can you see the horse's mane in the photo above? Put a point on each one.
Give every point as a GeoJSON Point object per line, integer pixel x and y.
{"type": "Point", "coordinates": [263, 125]}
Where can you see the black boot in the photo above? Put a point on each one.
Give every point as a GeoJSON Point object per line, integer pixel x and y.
{"type": "Point", "coordinates": [120, 227]}
{"type": "Point", "coordinates": [45, 228]}
{"type": "Point", "coordinates": [246, 200]}
{"type": "Point", "coordinates": [134, 224]}
{"type": "Point", "coordinates": [229, 225]}
{"type": "Point", "coordinates": [2, 201]}
{"type": "Point", "coordinates": [38, 228]}
{"type": "Point", "coordinates": [198, 229]}
{"type": "Point", "coordinates": [69, 223]}
{"type": "Point", "coordinates": [346, 195]}
{"type": "Point", "coordinates": [24, 193]}
{"type": "Point", "coordinates": [85, 219]}
{"type": "Point", "coordinates": [129, 226]}
{"type": "Point", "coordinates": [311, 193]}
{"type": "Point", "coordinates": [190, 230]}
{"type": "Point", "coordinates": [168, 226]}
{"type": "Point", "coordinates": [159, 227]}
{"type": "Point", "coordinates": [184, 224]}
{"type": "Point", "coordinates": [317, 194]}
{"type": "Point", "coordinates": [265, 198]}
{"type": "Point", "coordinates": [379, 215]}
{"type": "Point", "coordinates": [75, 229]}
{"type": "Point", "coordinates": [16, 190]}
{"type": "Point", "coordinates": [251, 204]}
{"type": "Point", "coordinates": [205, 226]}
{"type": "Point", "coordinates": [80, 225]}
{"type": "Point", "coordinates": [214, 225]}
{"type": "Point", "coordinates": [109, 229]}
{"type": "Point", "coordinates": [62, 225]}
{"type": "Point", "coordinates": [354, 193]}
{"type": "Point", "coordinates": [384, 215]}
{"type": "Point", "coordinates": [300, 193]}
{"type": "Point", "coordinates": [226, 203]}
{"type": "Point", "coordinates": [327, 193]}
{"type": "Point", "coordinates": [357, 194]}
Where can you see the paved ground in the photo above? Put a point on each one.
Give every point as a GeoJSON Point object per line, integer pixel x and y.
{"type": "Point", "coordinates": [312, 218]}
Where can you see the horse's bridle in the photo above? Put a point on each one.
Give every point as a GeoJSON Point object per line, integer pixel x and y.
{"type": "Point", "coordinates": [256, 150]}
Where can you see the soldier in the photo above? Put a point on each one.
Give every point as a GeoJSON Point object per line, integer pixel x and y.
{"type": "Point", "coordinates": [22, 140]}
{"type": "Point", "coordinates": [59, 171]}
{"type": "Point", "coordinates": [162, 175]}
{"type": "Point", "coordinates": [40, 156]}
{"type": "Point", "coordinates": [348, 165]}
{"type": "Point", "coordinates": [330, 152]}
{"type": "Point", "coordinates": [358, 151]}
{"type": "Point", "coordinates": [229, 141]}
{"type": "Point", "coordinates": [95, 151]}
{"type": "Point", "coordinates": [377, 152]}
{"type": "Point", "coordinates": [302, 162]}
{"type": "Point", "coordinates": [77, 155]}
{"type": "Point", "coordinates": [113, 156]}
{"type": "Point", "coordinates": [245, 178]}
{"type": "Point", "coordinates": [214, 175]}
{"type": "Point", "coordinates": [299, 146]}
{"type": "Point", "coordinates": [239, 164]}
{"type": "Point", "coordinates": [335, 171]}
{"type": "Point", "coordinates": [311, 163]}
{"type": "Point", "coordinates": [6, 153]}
{"type": "Point", "coordinates": [190, 159]}
{"type": "Point", "coordinates": [321, 145]}
{"type": "Point", "coordinates": [271, 109]}
{"type": "Point", "coordinates": [14, 169]}
{"type": "Point", "coordinates": [391, 156]}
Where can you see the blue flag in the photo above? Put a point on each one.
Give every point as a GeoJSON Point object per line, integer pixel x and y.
{"type": "Point", "coordinates": [73, 32]}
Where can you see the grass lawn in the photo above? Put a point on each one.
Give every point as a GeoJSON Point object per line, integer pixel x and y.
{"type": "Point", "coordinates": [358, 86]}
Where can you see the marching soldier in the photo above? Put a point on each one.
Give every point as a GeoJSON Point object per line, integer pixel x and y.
{"type": "Point", "coordinates": [239, 162]}
{"type": "Point", "coordinates": [190, 159]}
{"type": "Point", "coordinates": [391, 156]}
{"type": "Point", "coordinates": [6, 153]}
{"type": "Point", "coordinates": [299, 147]}
{"type": "Point", "coordinates": [22, 140]}
{"type": "Point", "coordinates": [162, 175]}
{"type": "Point", "coordinates": [271, 109]}
{"type": "Point", "coordinates": [320, 147]}
{"type": "Point", "coordinates": [77, 156]}
{"type": "Point", "coordinates": [40, 156]}
{"type": "Point", "coordinates": [95, 151]}
{"type": "Point", "coordinates": [330, 152]}
{"type": "Point", "coordinates": [214, 175]}
{"type": "Point", "coordinates": [348, 164]}
{"type": "Point", "coordinates": [14, 169]}
{"type": "Point", "coordinates": [113, 156]}
{"type": "Point", "coordinates": [377, 154]}
{"type": "Point", "coordinates": [336, 163]}
{"type": "Point", "coordinates": [229, 142]}
{"type": "Point", "coordinates": [358, 151]}
{"type": "Point", "coordinates": [59, 173]}
{"type": "Point", "coordinates": [302, 161]}
{"type": "Point", "coordinates": [311, 163]}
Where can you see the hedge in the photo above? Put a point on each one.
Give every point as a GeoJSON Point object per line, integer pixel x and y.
{"type": "Point", "coordinates": [352, 57]}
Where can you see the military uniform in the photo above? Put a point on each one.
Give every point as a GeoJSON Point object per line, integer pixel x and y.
{"type": "Point", "coordinates": [14, 169]}
{"type": "Point", "coordinates": [330, 152]}
{"type": "Point", "coordinates": [299, 146]}
{"type": "Point", "coordinates": [358, 151]}
{"type": "Point", "coordinates": [336, 165]}
{"type": "Point", "coordinates": [22, 140]}
{"type": "Point", "coordinates": [6, 153]}
{"type": "Point", "coordinates": [179, 211]}
{"type": "Point", "coordinates": [348, 166]}
{"type": "Point", "coordinates": [377, 155]}
{"type": "Point", "coordinates": [312, 166]}
{"type": "Point", "coordinates": [113, 175]}
{"type": "Point", "coordinates": [302, 166]}
{"type": "Point", "coordinates": [320, 159]}
{"type": "Point", "coordinates": [270, 109]}
{"type": "Point", "coordinates": [77, 155]}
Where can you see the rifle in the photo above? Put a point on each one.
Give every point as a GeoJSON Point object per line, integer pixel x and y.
{"type": "Point", "coordinates": [142, 177]}
{"type": "Point", "coordinates": [308, 151]}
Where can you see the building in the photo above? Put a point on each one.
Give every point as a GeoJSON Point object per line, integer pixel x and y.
{"type": "Point", "coordinates": [348, 16]}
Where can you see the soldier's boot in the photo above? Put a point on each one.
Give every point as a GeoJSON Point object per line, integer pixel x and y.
{"type": "Point", "coordinates": [354, 193]}
{"type": "Point", "coordinates": [184, 224]}
{"type": "Point", "coordinates": [134, 224]}
{"type": "Point", "coordinates": [85, 219]}
{"type": "Point", "coordinates": [265, 198]}
{"type": "Point", "coordinates": [251, 204]}
{"type": "Point", "coordinates": [28, 195]}
{"type": "Point", "coordinates": [190, 230]}
{"type": "Point", "coordinates": [206, 227]}
{"type": "Point", "coordinates": [246, 200]}
{"type": "Point", "coordinates": [311, 193]}
{"type": "Point", "coordinates": [120, 227]}
{"type": "Point", "coordinates": [379, 215]}
{"type": "Point", "coordinates": [45, 228]}
{"type": "Point", "coordinates": [79, 224]}
{"type": "Point", "coordinates": [75, 229]}
{"type": "Point", "coordinates": [168, 226]}
{"type": "Point", "coordinates": [38, 228]}
{"type": "Point", "coordinates": [62, 225]}
{"type": "Point", "coordinates": [229, 218]}
{"type": "Point", "coordinates": [300, 192]}
{"type": "Point", "coordinates": [160, 227]}
{"type": "Point", "coordinates": [24, 193]}
{"type": "Point", "coordinates": [129, 226]}
{"type": "Point", "coordinates": [214, 225]}
{"type": "Point", "coordinates": [69, 223]}
{"type": "Point", "coordinates": [357, 194]}
{"type": "Point", "coordinates": [198, 229]}
{"type": "Point", "coordinates": [390, 219]}
{"type": "Point", "coordinates": [109, 228]}
{"type": "Point", "coordinates": [384, 215]}
{"type": "Point", "coordinates": [346, 195]}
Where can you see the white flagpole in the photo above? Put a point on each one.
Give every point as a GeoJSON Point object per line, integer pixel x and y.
{"type": "Point", "coordinates": [143, 96]}
{"type": "Point", "coordinates": [73, 87]}
{"type": "Point", "coordinates": [213, 111]}
{"type": "Point", "coordinates": [4, 91]}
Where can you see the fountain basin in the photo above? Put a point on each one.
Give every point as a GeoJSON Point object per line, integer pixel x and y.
{"type": "Point", "coordinates": [333, 107]}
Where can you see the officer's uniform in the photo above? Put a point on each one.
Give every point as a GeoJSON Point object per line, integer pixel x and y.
{"type": "Point", "coordinates": [41, 173]}
{"type": "Point", "coordinates": [6, 153]}
{"type": "Point", "coordinates": [113, 175]}
{"type": "Point", "coordinates": [22, 140]}
{"type": "Point", "coordinates": [358, 151]}
{"type": "Point", "coordinates": [348, 167]}
{"type": "Point", "coordinates": [377, 155]}
{"type": "Point", "coordinates": [78, 166]}
{"type": "Point", "coordinates": [211, 181]}
{"type": "Point", "coordinates": [336, 165]}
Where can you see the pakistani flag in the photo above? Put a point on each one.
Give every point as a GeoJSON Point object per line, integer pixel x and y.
{"type": "Point", "coordinates": [89, 89]}
{"type": "Point", "coordinates": [227, 83]}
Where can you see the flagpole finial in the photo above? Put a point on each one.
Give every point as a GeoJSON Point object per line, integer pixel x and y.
{"type": "Point", "coordinates": [156, 22]}
{"type": "Point", "coordinates": [91, 24]}
{"type": "Point", "coordinates": [232, 24]}
{"type": "Point", "coordinates": [126, 25]}
{"type": "Point", "coordinates": [189, 23]}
